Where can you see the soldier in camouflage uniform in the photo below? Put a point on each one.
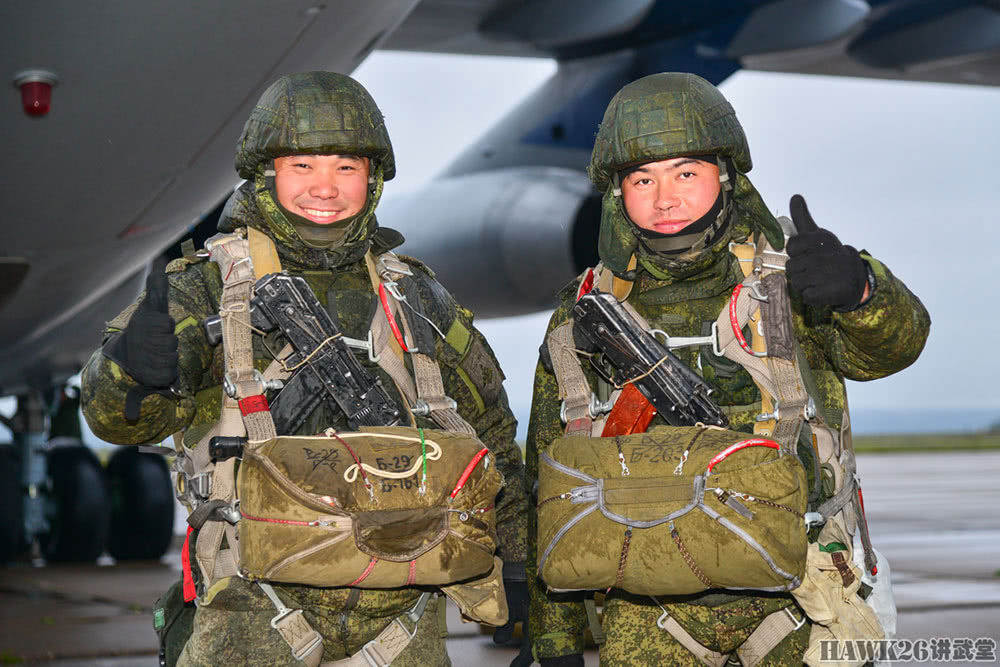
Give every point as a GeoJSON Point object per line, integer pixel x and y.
{"type": "Point", "coordinates": [853, 319]}
{"type": "Point", "coordinates": [162, 364]}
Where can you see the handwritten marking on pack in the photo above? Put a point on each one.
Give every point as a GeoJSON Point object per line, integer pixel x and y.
{"type": "Point", "coordinates": [323, 457]}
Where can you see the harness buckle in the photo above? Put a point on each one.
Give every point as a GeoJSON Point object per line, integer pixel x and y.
{"type": "Point", "coordinates": [393, 288]}
{"type": "Point", "coordinates": [422, 408]}
{"type": "Point", "coordinates": [768, 416]}
{"type": "Point", "coordinates": [368, 345]}
{"type": "Point", "coordinates": [798, 622]}
{"type": "Point", "coordinates": [674, 342]}
{"type": "Point", "coordinates": [232, 389]}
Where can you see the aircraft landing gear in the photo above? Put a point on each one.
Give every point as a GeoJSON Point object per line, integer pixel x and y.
{"type": "Point", "coordinates": [78, 507]}
{"type": "Point", "coordinates": [58, 501]}
{"type": "Point", "coordinates": [142, 505]}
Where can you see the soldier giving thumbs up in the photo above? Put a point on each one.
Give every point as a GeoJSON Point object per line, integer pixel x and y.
{"type": "Point", "coordinates": [822, 269]}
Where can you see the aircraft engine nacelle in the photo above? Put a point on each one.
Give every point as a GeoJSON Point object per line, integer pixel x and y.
{"type": "Point", "coordinates": [502, 242]}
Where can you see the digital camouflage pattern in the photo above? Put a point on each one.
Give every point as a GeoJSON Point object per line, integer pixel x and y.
{"type": "Point", "coordinates": [882, 337]}
{"type": "Point", "coordinates": [239, 616]}
{"type": "Point", "coordinates": [722, 628]}
{"type": "Point", "coordinates": [656, 118]}
{"type": "Point", "coordinates": [314, 113]}
{"type": "Point", "coordinates": [293, 117]}
{"type": "Point", "coordinates": [663, 116]}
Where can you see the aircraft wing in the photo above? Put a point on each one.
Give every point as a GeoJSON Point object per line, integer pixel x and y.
{"type": "Point", "coordinates": [151, 97]}
{"type": "Point", "coordinates": [946, 41]}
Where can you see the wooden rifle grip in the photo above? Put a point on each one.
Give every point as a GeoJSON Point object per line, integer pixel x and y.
{"type": "Point", "coordinates": [632, 414]}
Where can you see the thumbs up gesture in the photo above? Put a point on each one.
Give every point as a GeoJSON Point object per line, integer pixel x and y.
{"type": "Point", "coordinates": [147, 348]}
{"type": "Point", "coordinates": [820, 268]}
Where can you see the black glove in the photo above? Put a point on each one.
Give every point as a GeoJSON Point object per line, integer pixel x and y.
{"type": "Point", "coordinates": [820, 268]}
{"type": "Point", "coordinates": [147, 348]}
{"type": "Point", "coordinates": [575, 660]}
{"type": "Point", "coordinates": [517, 607]}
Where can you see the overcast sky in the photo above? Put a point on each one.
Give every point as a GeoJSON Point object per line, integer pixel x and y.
{"type": "Point", "coordinates": [904, 170]}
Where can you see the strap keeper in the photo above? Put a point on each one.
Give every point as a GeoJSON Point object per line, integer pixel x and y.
{"type": "Point", "coordinates": [252, 404]}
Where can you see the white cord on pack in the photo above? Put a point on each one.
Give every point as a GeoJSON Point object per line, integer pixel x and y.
{"type": "Point", "coordinates": [351, 473]}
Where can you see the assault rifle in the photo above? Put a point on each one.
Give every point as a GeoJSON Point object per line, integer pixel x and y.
{"type": "Point", "coordinates": [676, 391]}
{"type": "Point", "coordinates": [327, 368]}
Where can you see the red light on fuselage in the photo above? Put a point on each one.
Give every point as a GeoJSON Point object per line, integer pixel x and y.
{"type": "Point", "coordinates": [36, 91]}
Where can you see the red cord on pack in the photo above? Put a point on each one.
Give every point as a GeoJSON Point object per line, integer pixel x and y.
{"type": "Point", "coordinates": [392, 320]}
{"type": "Point", "coordinates": [468, 471]}
{"type": "Point", "coordinates": [361, 468]}
{"type": "Point", "coordinates": [742, 444]}
{"type": "Point", "coordinates": [734, 320]}
{"type": "Point", "coordinates": [364, 575]}
{"type": "Point", "coordinates": [188, 579]}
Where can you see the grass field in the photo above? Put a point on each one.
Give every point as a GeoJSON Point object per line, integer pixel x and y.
{"type": "Point", "coordinates": [926, 442]}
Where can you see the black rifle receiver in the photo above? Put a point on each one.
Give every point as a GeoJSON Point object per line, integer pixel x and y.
{"type": "Point", "coordinates": [677, 392]}
{"type": "Point", "coordinates": [328, 369]}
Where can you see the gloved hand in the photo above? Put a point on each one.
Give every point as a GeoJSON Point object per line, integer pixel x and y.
{"type": "Point", "coordinates": [820, 268]}
{"type": "Point", "coordinates": [575, 660]}
{"type": "Point", "coordinates": [517, 607]}
{"type": "Point", "coordinates": [147, 348]}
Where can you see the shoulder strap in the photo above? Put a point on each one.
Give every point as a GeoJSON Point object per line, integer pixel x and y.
{"type": "Point", "coordinates": [425, 392]}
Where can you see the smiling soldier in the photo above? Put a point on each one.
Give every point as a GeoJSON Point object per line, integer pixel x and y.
{"type": "Point", "coordinates": [719, 533]}
{"type": "Point", "coordinates": [315, 154]}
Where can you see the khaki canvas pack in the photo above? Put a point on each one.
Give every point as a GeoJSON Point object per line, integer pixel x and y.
{"type": "Point", "coordinates": [306, 510]}
{"type": "Point", "coordinates": [307, 517]}
{"type": "Point", "coordinates": [614, 531]}
{"type": "Point", "coordinates": [727, 515]}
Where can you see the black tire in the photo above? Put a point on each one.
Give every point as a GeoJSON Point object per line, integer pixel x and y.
{"type": "Point", "coordinates": [142, 505]}
{"type": "Point", "coordinates": [79, 507]}
{"type": "Point", "coordinates": [11, 522]}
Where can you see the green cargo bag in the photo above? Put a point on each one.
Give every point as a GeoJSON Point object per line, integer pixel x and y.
{"type": "Point", "coordinates": [381, 508]}
{"type": "Point", "coordinates": [673, 511]}
{"type": "Point", "coordinates": [173, 620]}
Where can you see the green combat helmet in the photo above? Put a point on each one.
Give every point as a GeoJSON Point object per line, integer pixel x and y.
{"type": "Point", "coordinates": [660, 117]}
{"type": "Point", "coordinates": [315, 113]}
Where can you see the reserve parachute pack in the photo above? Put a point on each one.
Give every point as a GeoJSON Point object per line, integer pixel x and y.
{"type": "Point", "coordinates": [376, 507]}
{"type": "Point", "coordinates": [728, 515]}
{"type": "Point", "coordinates": [308, 515]}
{"type": "Point", "coordinates": [679, 510]}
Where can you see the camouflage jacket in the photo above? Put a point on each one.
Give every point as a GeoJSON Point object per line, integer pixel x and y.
{"type": "Point", "coordinates": [881, 337]}
{"type": "Point", "coordinates": [469, 370]}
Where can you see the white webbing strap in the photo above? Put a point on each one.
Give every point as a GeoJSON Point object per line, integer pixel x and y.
{"type": "Point", "coordinates": [215, 562]}
{"type": "Point", "coordinates": [389, 644]}
{"type": "Point", "coordinates": [706, 655]}
{"type": "Point", "coordinates": [766, 637]}
{"type": "Point", "coordinates": [574, 389]}
{"type": "Point", "coordinates": [306, 644]}
{"type": "Point", "coordinates": [425, 392]}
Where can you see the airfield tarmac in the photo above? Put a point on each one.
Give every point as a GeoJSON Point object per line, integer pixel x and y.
{"type": "Point", "coordinates": [933, 515]}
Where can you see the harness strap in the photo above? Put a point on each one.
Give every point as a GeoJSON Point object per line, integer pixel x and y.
{"type": "Point", "coordinates": [574, 389]}
{"type": "Point", "coordinates": [306, 644]}
{"type": "Point", "coordinates": [766, 637]}
{"type": "Point", "coordinates": [386, 647]}
{"type": "Point", "coordinates": [425, 392]}
{"type": "Point", "coordinates": [706, 655]}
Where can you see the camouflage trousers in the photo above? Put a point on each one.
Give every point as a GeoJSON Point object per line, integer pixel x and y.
{"type": "Point", "coordinates": [634, 638]}
{"type": "Point", "coordinates": [235, 629]}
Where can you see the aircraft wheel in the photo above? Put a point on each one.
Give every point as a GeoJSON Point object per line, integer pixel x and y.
{"type": "Point", "coordinates": [11, 527]}
{"type": "Point", "coordinates": [142, 505]}
{"type": "Point", "coordinates": [79, 508]}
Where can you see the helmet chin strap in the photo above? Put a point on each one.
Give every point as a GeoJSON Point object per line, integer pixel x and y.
{"type": "Point", "coordinates": [699, 235]}
{"type": "Point", "coordinates": [313, 234]}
